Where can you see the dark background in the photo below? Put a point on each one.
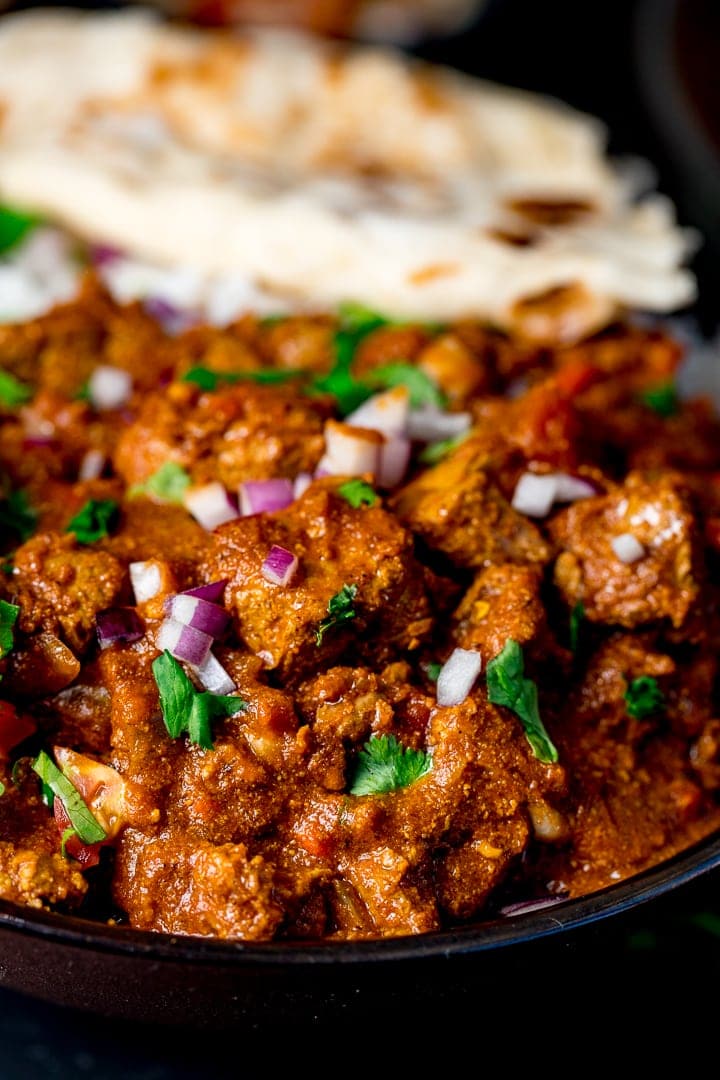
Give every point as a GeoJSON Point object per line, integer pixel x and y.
{"type": "Point", "coordinates": [640, 975]}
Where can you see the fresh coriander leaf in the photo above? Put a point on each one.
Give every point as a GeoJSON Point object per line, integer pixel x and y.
{"type": "Point", "coordinates": [169, 484]}
{"type": "Point", "coordinates": [2, 789]}
{"type": "Point", "coordinates": [348, 391]}
{"type": "Point", "coordinates": [576, 617]}
{"type": "Point", "coordinates": [14, 226]}
{"type": "Point", "coordinates": [83, 394]}
{"type": "Point", "coordinates": [643, 697]}
{"type": "Point", "coordinates": [662, 399]}
{"type": "Point", "coordinates": [8, 618]}
{"type": "Point", "coordinates": [67, 835]}
{"type": "Point", "coordinates": [18, 516]}
{"type": "Point", "coordinates": [384, 765]}
{"type": "Point", "coordinates": [358, 493]}
{"type": "Point", "coordinates": [434, 452]}
{"type": "Point", "coordinates": [81, 817]}
{"type": "Point", "coordinates": [340, 609]}
{"type": "Point", "coordinates": [358, 319]}
{"type": "Point", "coordinates": [12, 391]}
{"type": "Point", "coordinates": [94, 520]}
{"type": "Point", "coordinates": [186, 709]}
{"type": "Point", "coordinates": [209, 380]}
{"type": "Point", "coordinates": [422, 389]}
{"type": "Point", "coordinates": [432, 670]}
{"type": "Point", "coordinates": [507, 686]}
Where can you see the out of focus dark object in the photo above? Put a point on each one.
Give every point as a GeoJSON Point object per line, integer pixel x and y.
{"type": "Point", "coordinates": [398, 21]}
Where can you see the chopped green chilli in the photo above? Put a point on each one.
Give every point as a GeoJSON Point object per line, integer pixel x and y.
{"type": "Point", "coordinates": [14, 227]}
{"type": "Point", "coordinates": [358, 493]}
{"type": "Point", "coordinates": [434, 452]}
{"type": "Point", "coordinates": [169, 484]}
{"type": "Point", "coordinates": [81, 817]}
{"type": "Point", "coordinates": [384, 765]}
{"type": "Point", "coordinates": [8, 618]}
{"type": "Point", "coordinates": [421, 388]}
{"type": "Point", "coordinates": [12, 391]}
{"type": "Point", "coordinates": [185, 709]}
{"type": "Point", "coordinates": [340, 609]}
{"type": "Point", "coordinates": [432, 670]}
{"type": "Point", "coordinates": [508, 686]}
{"type": "Point", "coordinates": [662, 399]}
{"type": "Point", "coordinates": [209, 380]}
{"type": "Point", "coordinates": [94, 520]}
{"type": "Point", "coordinates": [643, 697]}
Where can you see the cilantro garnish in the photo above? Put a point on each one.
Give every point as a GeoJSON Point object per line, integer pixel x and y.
{"type": "Point", "coordinates": [358, 493]}
{"type": "Point", "coordinates": [576, 617]}
{"type": "Point", "coordinates": [434, 452]}
{"type": "Point", "coordinates": [81, 818]}
{"type": "Point", "coordinates": [14, 226]}
{"type": "Point", "coordinates": [17, 515]}
{"type": "Point", "coordinates": [94, 520]}
{"type": "Point", "coordinates": [186, 709]}
{"type": "Point", "coordinates": [358, 319]}
{"type": "Point", "coordinates": [421, 388]}
{"type": "Point", "coordinates": [8, 618]}
{"type": "Point", "coordinates": [209, 380]}
{"type": "Point", "coordinates": [356, 323]}
{"type": "Point", "coordinates": [384, 765]}
{"type": "Point", "coordinates": [507, 686]}
{"type": "Point", "coordinates": [643, 697]}
{"type": "Point", "coordinates": [83, 393]}
{"type": "Point", "coordinates": [432, 670]}
{"type": "Point", "coordinates": [662, 399]}
{"type": "Point", "coordinates": [340, 609]}
{"type": "Point", "coordinates": [12, 391]}
{"type": "Point", "coordinates": [168, 483]}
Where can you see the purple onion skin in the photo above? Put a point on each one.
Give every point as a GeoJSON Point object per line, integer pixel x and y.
{"type": "Point", "coordinates": [264, 496]}
{"type": "Point", "coordinates": [212, 592]}
{"type": "Point", "coordinates": [279, 566]}
{"type": "Point", "coordinates": [118, 625]}
{"type": "Point", "coordinates": [208, 617]}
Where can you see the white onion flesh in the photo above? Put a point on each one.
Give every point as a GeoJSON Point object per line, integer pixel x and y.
{"type": "Point", "coordinates": [457, 676]}
{"type": "Point", "coordinates": [109, 387]}
{"type": "Point", "coordinates": [92, 465]}
{"type": "Point", "coordinates": [627, 548]}
{"type": "Point", "coordinates": [386, 412]}
{"type": "Point", "coordinates": [183, 642]}
{"type": "Point", "coordinates": [146, 580]}
{"type": "Point", "coordinates": [572, 488]}
{"type": "Point", "coordinates": [212, 675]}
{"type": "Point", "coordinates": [430, 424]}
{"type": "Point", "coordinates": [394, 461]}
{"type": "Point", "coordinates": [210, 505]}
{"type": "Point", "coordinates": [535, 494]}
{"type": "Point", "coordinates": [350, 451]}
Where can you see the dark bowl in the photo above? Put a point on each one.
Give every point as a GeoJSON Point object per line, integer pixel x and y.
{"type": "Point", "coordinates": [204, 983]}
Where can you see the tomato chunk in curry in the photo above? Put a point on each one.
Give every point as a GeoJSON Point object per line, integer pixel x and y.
{"type": "Point", "coordinates": [485, 673]}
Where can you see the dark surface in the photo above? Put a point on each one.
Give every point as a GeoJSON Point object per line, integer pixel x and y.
{"type": "Point", "coordinates": [609, 59]}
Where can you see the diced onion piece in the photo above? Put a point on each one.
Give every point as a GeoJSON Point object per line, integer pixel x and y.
{"type": "Point", "coordinates": [183, 642]}
{"type": "Point", "coordinates": [210, 505]}
{"type": "Point", "coordinates": [118, 624]}
{"type": "Point", "coordinates": [535, 494]}
{"type": "Point", "coordinates": [109, 387]}
{"type": "Point", "coordinates": [429, 424]}
{"type": "Point", "coordinates": [457, 676]}
{"type": "Point", "coordinates": [199, 614]}
{"type": "Point", "coordinates": [264, 496]}
{"type": "Point", "coordinates": [350, 451]}
{"type": "Point", "coordinates": [213, 676]}
{"type": "Point", "coordinates": [386, 412]}
{"type": "Point", "coordinates": [572, 488]}
{"type": "Point", "coordinates": [212, 592]}
{"type": "Point", "coordinates": [92, 465]}
{"type": "Point", "coordinates": [394, 460]}
{"type": "Point", "coordinates": [280, 566]}
{"type": "Point", "coordinates": [146, 580]}
{"type": "Point", "coordinates": [301, 483]}
{"type": "Point", "coordinates": [627, 548]}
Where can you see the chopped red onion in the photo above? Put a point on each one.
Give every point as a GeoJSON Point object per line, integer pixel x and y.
{"type": "Point", "coordinates": [210, 505]}
{"type": "Point", "coordinates": [92, 465]}
{"type": "Point", "coordinates": [386, 412]}
{"type": "Point", "coordinates": [213, 676]}
{"type": "Point", "coordinates": [199, 614]}
{"type": "Point", "coordinates": [118, 624]}
{"type": "Point", "coordinates": [572, 488]}
{"type": "Point", "coordinates": [104, 255]}
{"type": "Point", "coordinates": [394, 460]}
{"type": "Point", "coordinates": [627, 548]}
{"type": "Point", "coordinates": [429, 424]}
{"type": "Point", "coordinates": [301, 483]}
{"type": "Point", "coordinates": [109, 387]}
{"type": "Point", "coordinates": [280, 566]}
{"type": "Point", "coordinates": [174, 320]}
{"type": "Point", "coordinates": [145, 579]}
{"type": "Point", "coordinates": [264, 496]}
{"type": "Point", "coordinates": [212, 592]}
{"type": "Point", "coordinates": [350, 451]}
{"type": "Point", "coordinates": [457, 676]}
{"type": "Point", "coordinates": [535, 494]}
{"type": "Point", "coordinates": [183, 642]}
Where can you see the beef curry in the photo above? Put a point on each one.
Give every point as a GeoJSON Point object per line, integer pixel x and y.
{"type": "Point", "coordinates": [335, 628]}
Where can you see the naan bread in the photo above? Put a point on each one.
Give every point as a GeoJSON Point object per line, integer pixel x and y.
{"type": "Point", "coordinates": [322, 174]}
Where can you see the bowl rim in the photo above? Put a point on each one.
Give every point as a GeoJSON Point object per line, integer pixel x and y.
{"type": "Point", "coordinates": [493, 934]}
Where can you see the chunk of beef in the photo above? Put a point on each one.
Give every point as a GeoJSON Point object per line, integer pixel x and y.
{"type": "Point", "coordinates": [502, 602]}
{"type": "Point", "coordinates": [661, 584]}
